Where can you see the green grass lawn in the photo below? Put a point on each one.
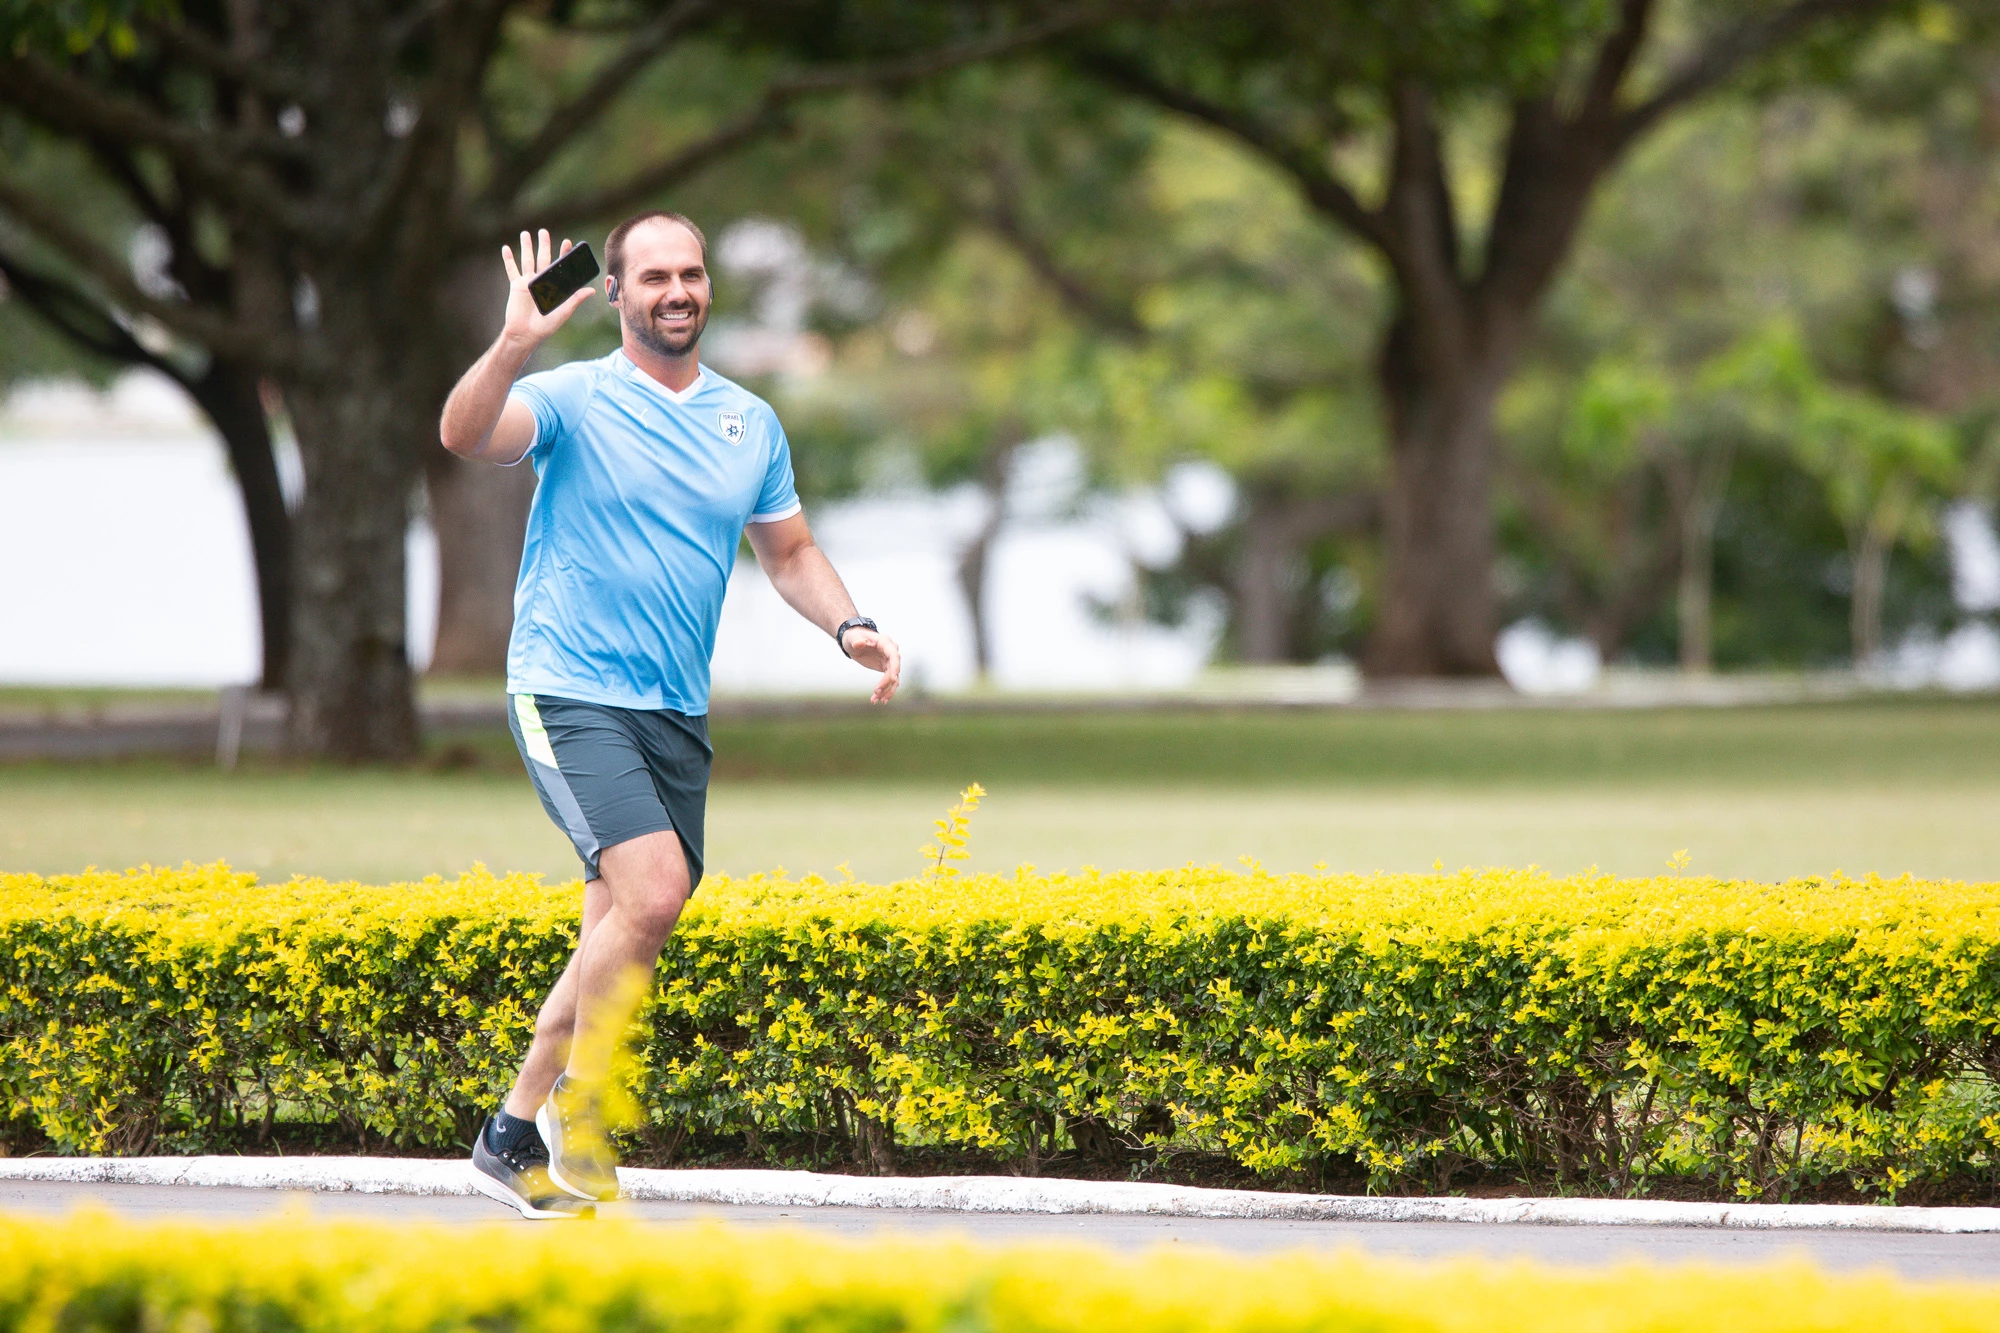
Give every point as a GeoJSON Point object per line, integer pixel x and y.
{"type": "Point", "coordinates": [1881, 786]}
{"type": "Point", "coordinates": [1921, 740]}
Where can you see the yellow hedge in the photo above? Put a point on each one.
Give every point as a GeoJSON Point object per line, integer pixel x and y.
{"type": "Point", "coordinates": [91, 1272]}
{"type": "Point", "coordinates": [1593, 1030]}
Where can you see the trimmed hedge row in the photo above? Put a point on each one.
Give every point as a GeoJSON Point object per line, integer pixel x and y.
{"type": "Point", "coordinates": [1594, 1030]}
{"type": "Point", "coordinates": [93, 1273]}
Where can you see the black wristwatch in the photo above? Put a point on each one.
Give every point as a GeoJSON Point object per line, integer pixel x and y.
{"type": "Point", "coordinates": [852, 622]}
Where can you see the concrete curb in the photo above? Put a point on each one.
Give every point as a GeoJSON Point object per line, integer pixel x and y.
{"type": "Point", "coordinates": [996, 1194]}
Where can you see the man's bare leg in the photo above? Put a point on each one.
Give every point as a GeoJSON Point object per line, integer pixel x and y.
{"type": "Point", "coordinates": [555, 1024]}
{"type": "Point", "coordinates": [647, 878]}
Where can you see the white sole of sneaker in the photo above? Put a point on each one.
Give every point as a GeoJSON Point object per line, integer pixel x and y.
{"type": "Point", "coordinates": [499, 1193]}
{"type": "Point", "coordinates": [545, 1126]}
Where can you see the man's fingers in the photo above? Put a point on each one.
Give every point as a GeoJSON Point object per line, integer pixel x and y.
{"type": "Point", "coordinates": [513, 269]}
{"type": "Point", "coordinates": [543, 258]}
{"type": "Point", "coordinates": [527, 253]}
{"type": "Point", "coordinates": [581, 295]}
{"type": "Point", "coordinates": [892, 670]}
{"type": "Point", "coordinates": [566, 248]}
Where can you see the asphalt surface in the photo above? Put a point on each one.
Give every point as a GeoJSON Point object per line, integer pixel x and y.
{"type": "Point", "coordinates": [1931, 1258]}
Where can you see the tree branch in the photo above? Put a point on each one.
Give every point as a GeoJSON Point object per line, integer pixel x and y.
{"type": "Point", "coordinates": [1551, 163]}
{"type": "Point", "coordinates": [201, 282]}
{"type": "Point", "coordinates": [1002, 216]}
{"type": "Point", "coordinates": [198, 48]}
{"type": "Point", "coordinates": [1614, 61]}
{"type": "Point", "coordinates": [637, 187]}
{"type": "Point", "coordinates": [398, 32]}
{"type": "Point", "coordinates": [117, 163]}
{"type": "Point", "coordinates": [73, 106]}
{"type": "Point", "coordinates": [78, 318]}
{"type": "Point", "coordinates": [1419, 207]}
{"type": "Point", "coordinates": [217, 332]}
{"type": "Point", "coordinates": [1348, 511]}
{"type": "Point", "coordinates": [420, 159]}
{"type": "Point", "coordinates": [1323, 190]}
{"type": "Point", "coordinates": [895, 71]}
{"type": "Point", "coordinates": [576, 115]}
{"type": "Point", "coordinates": [769, 112]}
{"type": "Point", "coordinates": [1727, 54]}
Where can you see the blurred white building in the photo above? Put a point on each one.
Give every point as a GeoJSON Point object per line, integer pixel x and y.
{"type": "Point", "coordinates": [125, 560]}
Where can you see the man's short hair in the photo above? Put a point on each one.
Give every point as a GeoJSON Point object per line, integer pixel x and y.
{"type": "Point", "coordinates": [614, 244]}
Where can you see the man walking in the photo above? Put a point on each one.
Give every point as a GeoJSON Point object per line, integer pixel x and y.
{"type": "Point", "coordinates": [652, 468]}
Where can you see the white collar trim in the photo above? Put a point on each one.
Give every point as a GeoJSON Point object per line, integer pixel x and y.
{"type": "Point", "coordinates": [632, 370]}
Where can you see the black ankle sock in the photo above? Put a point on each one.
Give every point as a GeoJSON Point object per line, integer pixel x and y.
{"type": "Point", "coordinates": [505, 1132]}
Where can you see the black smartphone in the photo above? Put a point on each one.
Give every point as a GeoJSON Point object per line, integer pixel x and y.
{"type": "Point", "coordinates": [560, 280]}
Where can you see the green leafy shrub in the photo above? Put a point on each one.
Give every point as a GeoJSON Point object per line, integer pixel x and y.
{"type": "Point", "coordinates": [1596, 1031]}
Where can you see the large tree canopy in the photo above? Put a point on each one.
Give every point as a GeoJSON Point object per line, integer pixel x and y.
{"type": "Point", "coordinates": [1358, 105]}
{"type": "Point", "coordinates": [320, 172]}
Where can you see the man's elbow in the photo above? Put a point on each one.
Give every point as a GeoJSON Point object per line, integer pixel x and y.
{"type": "Point", "coordinates": [457, 444]}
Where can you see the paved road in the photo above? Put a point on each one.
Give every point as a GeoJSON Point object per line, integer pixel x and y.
{"type": "Point", "coordinates": [1915, 1256]}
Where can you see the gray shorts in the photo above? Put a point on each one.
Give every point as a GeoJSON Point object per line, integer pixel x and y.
{"type": "Point", "coordinates": [606, 775]}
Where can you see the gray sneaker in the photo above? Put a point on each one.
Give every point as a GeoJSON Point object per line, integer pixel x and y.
{"type": "Point", "coordinates": [580, 1159]}
{"type": "Point", "coordinates": [520, 1179]}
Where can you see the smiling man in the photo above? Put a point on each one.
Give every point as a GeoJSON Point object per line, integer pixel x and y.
{"type": "Point", "coordinates": [652, 468]}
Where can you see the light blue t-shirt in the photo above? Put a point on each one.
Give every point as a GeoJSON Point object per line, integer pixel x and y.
{"type": "Point", "coordinates": [643, 497]}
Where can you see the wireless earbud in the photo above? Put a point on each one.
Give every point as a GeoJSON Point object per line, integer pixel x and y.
{"type": "Point", "coordinates": [611, 289]}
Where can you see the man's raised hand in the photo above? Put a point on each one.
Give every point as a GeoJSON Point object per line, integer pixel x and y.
{"type": "Point", "coordinates": [525, 322]}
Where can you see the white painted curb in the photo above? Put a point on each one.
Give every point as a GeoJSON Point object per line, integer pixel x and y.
{"type": "Point", "coordinates": [994, 1194]}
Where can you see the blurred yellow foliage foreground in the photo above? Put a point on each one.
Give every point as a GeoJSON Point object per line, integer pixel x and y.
{"type": "Point", "coordinates": [91, 1272]}
{"type": "Point", "coordinates": [1592, 1032]}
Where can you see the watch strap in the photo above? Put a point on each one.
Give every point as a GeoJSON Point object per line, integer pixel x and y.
{"type": "Point", "coordinates": [852, 622]}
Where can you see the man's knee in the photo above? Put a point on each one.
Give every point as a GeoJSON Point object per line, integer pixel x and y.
{"type": "Point", "coordinates": [649, 881]}
{"type": "Point", "coordinates": [657, 906]}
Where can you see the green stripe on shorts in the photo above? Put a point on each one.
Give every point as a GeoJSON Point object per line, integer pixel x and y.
{"type": "Point", "coordinates": [533, 733]}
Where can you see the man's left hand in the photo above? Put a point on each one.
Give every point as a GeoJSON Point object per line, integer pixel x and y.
{"type": "Point", "coordinates": [878, 652]}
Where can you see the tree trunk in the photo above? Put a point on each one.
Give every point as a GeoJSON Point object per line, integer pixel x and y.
{"type": "Point", "coordinates": [1694, 603]}
{"type": "Point", "coordinates": [350, 683]}
{"type": "Point", "coordinates": [1869, 549]}
{"type": "Point", "coordinates": [480, 514]}
{"type": "Point", "coordinates": [229, 393]}
{"type": "Point", "coordinates": [1269, 574]}
{"type": "Point", "coordinates": [1864, 612]}
{"type": "Point", "coordinates": [1267, 578]}
{"type": "Point", "coordinates": [479, 511]}
{"type": "Point", "coordinates": [994, 470]}
{"type": "Point", "coordinates": [971, 571]}
{"type": "Point", "coordinates": [1439, 613]}
{"type": "Point", "coordinates": [1701, 506]}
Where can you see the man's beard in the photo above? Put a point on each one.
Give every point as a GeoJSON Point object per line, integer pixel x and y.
{"type": "Point", "coordinates": [655, 339]}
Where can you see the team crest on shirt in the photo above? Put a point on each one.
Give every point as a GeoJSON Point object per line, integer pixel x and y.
{"type": "Point", "coordinates": [731, 425]}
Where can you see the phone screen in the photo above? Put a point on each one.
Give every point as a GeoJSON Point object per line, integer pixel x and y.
{"type": "Point", "coordinates": [559, 281]}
